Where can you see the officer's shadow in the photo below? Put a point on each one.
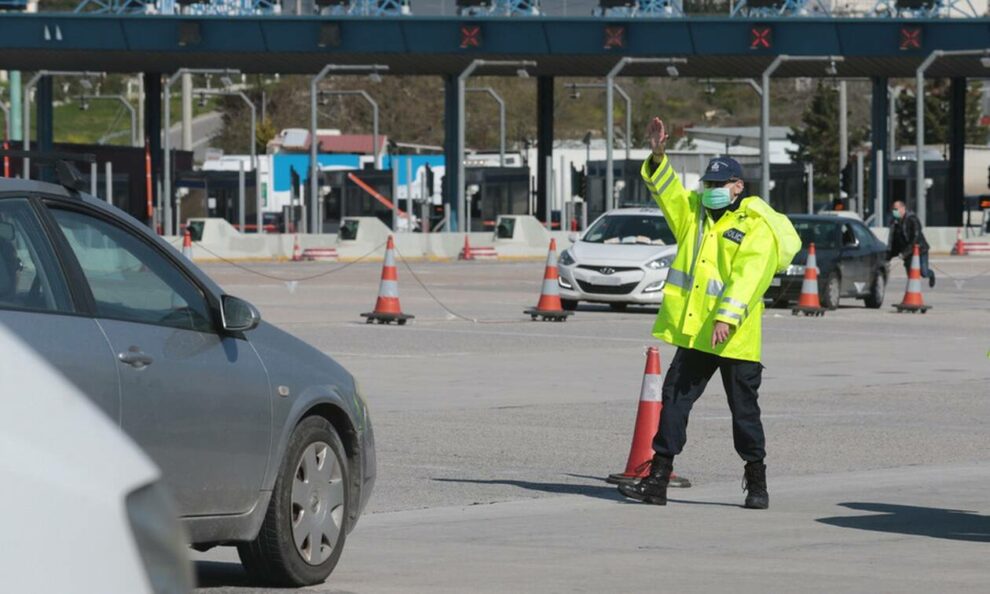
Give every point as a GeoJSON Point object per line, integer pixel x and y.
{"type": "Point", "coordinates": [603, 491]}
{"type": "Point", "coordinates": [934, 522]}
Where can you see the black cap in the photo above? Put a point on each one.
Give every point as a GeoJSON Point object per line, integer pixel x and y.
{"type": "Point", "coordinates": [722, 169]}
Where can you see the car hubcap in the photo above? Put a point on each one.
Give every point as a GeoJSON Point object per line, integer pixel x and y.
{"type": "Point", "coordinates": [317, 503]}
{"type": "Point", "coordinates": [833, 292]}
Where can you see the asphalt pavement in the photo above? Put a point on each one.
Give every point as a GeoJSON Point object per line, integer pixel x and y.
{"type": "Point", "coordinates": [494, 435]}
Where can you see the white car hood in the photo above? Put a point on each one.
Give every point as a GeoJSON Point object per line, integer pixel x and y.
{"type": "Point", "coordinates": [607, 253]}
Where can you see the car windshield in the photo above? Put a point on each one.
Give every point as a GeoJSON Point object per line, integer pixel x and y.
{"type": "Point", "coordinates": [642, 229]}
{"type": "Point", "coordinates": [824, 234]}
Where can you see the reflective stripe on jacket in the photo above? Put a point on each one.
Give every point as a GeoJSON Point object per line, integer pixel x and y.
{"type": "Point", "coordinates": [722, 268]}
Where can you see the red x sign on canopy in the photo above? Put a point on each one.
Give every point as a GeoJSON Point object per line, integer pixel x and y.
{"type": "Point", "coordinates": [470, 36]}
{"type": "Point", "coordinates": [615, 37]}
{"type": "Point", "coordinates": [910, 38]}
{"type": "Point", "coordinates": [761, 37]}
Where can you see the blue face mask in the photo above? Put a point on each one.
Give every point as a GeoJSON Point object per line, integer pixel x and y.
{"type": "Point", "coordinates": [716, 198]}
{"type": "Point", "coordinates": [896, 213]}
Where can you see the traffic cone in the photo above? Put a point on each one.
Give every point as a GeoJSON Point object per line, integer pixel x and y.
{"type": "Point", "coordinates": [296, 251]}
{"type": "Point", "coordinates": [960, 248]}
{"type": "Point", "coordinates": [387, 308]}
{"type": "Point", "coordinates": [913, 302]}
{"type": "Point", "coordinates": [187, 245]}
{"type": "Point", "coordinates": [647, 421]}
{"type": "Point", "coordinates": [549, 306]}
{"type": "Point", "coordinates": [466, 252]}
{"type": "Point", "coordinates": [808, 303]}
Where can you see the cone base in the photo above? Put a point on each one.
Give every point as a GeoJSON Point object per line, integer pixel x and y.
{"type": "Point", "coordinates": [548, 315]}
{"type": "Point", "coordinates": [903, 307]}
{"type": "Point", "coordinates": [387, 318]}
{"type": "Point", "coordinates": [808, 311]}
{"type": "Point", "coordinates": [958, 250]}
{"type": "Point", "coordinates": [621, 478]}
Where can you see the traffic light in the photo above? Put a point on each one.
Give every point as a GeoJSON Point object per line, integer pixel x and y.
{"type": "Point", "coordinates": [579, 181]}
{"type": "Point", "coordinates": [429, 180]}
{"type": "Point", "coordinates": [988, 176]}
{"type": "Point", "coordinates": [294, 177]}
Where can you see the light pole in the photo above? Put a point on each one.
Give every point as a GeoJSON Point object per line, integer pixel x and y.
{"type": "Point", "coordinates": [374, 117]}
{"type": "Point", "coordinates": [314, 167]}
{"type": "Point", "coordinates": [123, 101]}
{"type": "Point", "coordinates": [765, 111]}
{"type": "Point", "coordinates": [26, 102]}
{"type": "Point", "coordinates": [253, 147]}
{"type": "Point", "coordinates": [919, 109]}
{"type": "Point", "coordinates": [610, 105]}
{"type": "Point", "coordinates": [166, 199]}
{"type": "Point", "coordinates": [501, 119]}
{"type": "Point", "coordinates": [521, 65]}
{"type": "Point", "coordinates": [625, 96]}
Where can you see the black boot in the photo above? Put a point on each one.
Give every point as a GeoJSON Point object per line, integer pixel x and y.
{"type": "Point", "coordinates": [755, 485]}
{"type": "Point", "coordinates": [653, 488]}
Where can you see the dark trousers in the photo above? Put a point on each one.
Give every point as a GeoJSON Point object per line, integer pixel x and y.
{"type": "Point", "coordinates": [687, 377]}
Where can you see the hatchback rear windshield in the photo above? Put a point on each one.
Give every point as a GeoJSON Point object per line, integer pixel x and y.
{"type": "Point", "coordinates": [824, 234]}
{"type": "Point", "coordinates": [643, 229]}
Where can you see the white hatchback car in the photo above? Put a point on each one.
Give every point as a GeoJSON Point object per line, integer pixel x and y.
{"type": "Point", "coordinates": [622, 259]}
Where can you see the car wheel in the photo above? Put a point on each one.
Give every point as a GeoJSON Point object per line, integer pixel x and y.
{"type": "Point", "coordinates": [877, 290]}
{"type": "Point", "coordinates": [569, 304]}
{"type": "Point", "coordinates": [830, 298]}
{"type": "Point", "coordinates": [303, 532]}
{"type": "Point", "coordinates": [618, 306]}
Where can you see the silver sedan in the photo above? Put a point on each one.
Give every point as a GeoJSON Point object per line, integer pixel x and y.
{"type": "Point", "coordinates": [264, 442]}
{"type": "Point", "coordinates": [622, 259]}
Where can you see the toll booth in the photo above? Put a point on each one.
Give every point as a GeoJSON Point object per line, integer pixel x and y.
{"type": "Point", "coordinates": [216, 194]}
{"type": "Point", "coordinates": [900, 185]}
{"type": "Point", "coordinates": [500, 191]}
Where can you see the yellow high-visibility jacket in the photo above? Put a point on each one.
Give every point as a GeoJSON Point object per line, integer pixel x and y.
{"type": "Point", "coordinates": [722, 268]}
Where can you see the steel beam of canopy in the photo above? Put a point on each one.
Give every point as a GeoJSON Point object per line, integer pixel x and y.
{"type": "Point", "coordinates": [610, 125]}
{"type": "Point", "coordinates": [314, 167]}
{"type": "Point", "coordinates": [765, 111]}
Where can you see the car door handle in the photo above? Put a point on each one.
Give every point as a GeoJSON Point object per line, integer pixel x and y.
{"type": "Point", "coordinates": [135, 358]}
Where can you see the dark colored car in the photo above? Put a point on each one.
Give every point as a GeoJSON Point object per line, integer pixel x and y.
{"type": "Point", "coordinates": [851, 261]}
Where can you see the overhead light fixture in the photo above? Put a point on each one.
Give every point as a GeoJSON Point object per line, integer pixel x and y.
{"type": "Point", "coordinates": [522, 73]}
{"type": "Point", "coordinates": [575, 93]}
{"type": "Point", "coordinates": [375, 77]}
{"type": "Point", "coordinates": [226, 81]}
{"type": "Point", "coordinates": [86, 84]}
{"type": "Point", "coordinates": [709, 88]}
{"type": "Point", "coordinates": [202, 99]}
{"type": "Point", "coordinates": [324, 99]}
{"type": "Point", "coordinates": [83, 104]}
{"type": "Point", "coordinates": [672, 71]}
{"type": "Point", "coordinates": [985, 61]}
{"type": "Point", "coordinates": [831, 70]}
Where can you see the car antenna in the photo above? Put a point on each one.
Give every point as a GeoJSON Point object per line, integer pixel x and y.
{"type": "Point", "coordinates": [66, 172]}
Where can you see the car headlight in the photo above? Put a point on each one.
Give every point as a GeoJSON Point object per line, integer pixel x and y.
{"type": "Point", "coordinates": [794, 270]}
{"type": "Point", "coordinates": [160, 540]}
{"type": "Point", "coordinates": [660, 263]}
{"type": "Point", "coordinates": [566, 259]}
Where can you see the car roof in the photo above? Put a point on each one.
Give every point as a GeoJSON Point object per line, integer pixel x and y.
{"type": "Point", "coordinates": [822, 218]}
{"type": "Point", "coordinates": [636, 210]}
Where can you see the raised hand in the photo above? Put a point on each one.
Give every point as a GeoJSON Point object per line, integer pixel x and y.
{"type": "Point", "coordinates": [657, 133]}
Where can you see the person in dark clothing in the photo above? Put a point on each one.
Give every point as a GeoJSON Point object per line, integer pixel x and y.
{"type": "Point", "coordinates": [905, 231]}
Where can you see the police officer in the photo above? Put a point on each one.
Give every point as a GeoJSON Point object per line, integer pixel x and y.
{"type": "Point", "coordinates": [729, 248]}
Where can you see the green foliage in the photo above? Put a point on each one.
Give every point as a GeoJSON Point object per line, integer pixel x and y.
{"type": "Point", "coordinates": [937, 114]}
{"type": "Point", "coordinates": [817, 138]}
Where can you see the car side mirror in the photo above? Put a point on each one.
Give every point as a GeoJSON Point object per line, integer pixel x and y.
{"type": "Point", "coordinates": [573, 238]}
{"type": "Point", "coordinates": [238, 315]}
{"type": "Point", "coordinates": [852, 244]}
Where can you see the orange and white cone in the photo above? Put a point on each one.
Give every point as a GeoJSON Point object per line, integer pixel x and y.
{"type": "Point", "coordinates": [960, 248]}
{"type": "Point", "coordinates": [387, 308]}
{"type": "Point", "coordinates": [808, 303]}
{"type": "Point", "coordinates": [187, 250]}
{"type": "Point", "coordinates": [913, 301]}
{"type": "Point", "coordinates": [296, 251]}
{"type": "Point", "coordinates": [549, 307]}
{"type": "Point", "coordinates": [647, 421]}
{"type": "Point", "coordinates": [466, 252]}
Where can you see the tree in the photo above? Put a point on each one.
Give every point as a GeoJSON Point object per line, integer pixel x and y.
{"type": "Point", "coordinates": [817, 138]}
{"type": "Point", "coordinates": [937, 122]}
